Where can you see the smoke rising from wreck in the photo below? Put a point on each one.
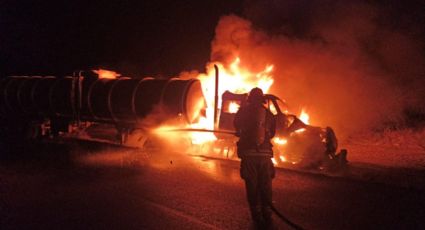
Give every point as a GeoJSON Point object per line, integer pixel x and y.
{"type": "Point", "coordinates": [350, 65]}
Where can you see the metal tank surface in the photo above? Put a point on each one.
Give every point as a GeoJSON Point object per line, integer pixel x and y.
{"type": "Point", "coordinates": [121, 101]}
{"type": "Point", "coordinates": [36, 97]}
{"type": "Point", "coordinates": [131, 100]}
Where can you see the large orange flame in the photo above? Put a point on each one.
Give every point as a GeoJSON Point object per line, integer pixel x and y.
{"type": "Point", "coordinates": [235, 79]}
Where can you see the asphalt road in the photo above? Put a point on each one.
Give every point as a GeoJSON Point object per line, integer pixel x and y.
{"type": "Point", "coordinates": [83, 186]}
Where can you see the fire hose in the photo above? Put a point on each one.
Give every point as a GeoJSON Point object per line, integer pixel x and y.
{"type": "Point", "coordinates": [284, 219]}
{"type": "Point", "coordinates": [279, 214]}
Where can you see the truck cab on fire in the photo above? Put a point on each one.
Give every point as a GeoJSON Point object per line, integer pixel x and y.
{"type": "Point", "coordinates": [295, 142]}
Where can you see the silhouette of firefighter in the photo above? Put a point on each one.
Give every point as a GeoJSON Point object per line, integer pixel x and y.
{"type": "Point", "coordinates": [255, 126]}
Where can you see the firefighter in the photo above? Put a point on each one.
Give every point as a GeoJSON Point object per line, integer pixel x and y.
{"type": "Point", "coordinates": [255, 126]}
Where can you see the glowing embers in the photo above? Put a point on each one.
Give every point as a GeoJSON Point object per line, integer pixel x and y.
{"type": "Point", "coordinates": [233, 107]}
{"type": "Point", "coordinates": [280, 141]}
{"type": "Point", "coordinates": [106, 74]}
{"type": "Point", "coordinates": [282, 158]}
{"type": "Point", "coordinates": [305, 118]}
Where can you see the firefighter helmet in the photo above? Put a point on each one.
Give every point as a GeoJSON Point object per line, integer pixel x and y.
{"type": "Point", "coordinates": [256, 95]}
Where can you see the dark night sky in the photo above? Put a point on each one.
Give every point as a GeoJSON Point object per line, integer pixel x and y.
{"type": "Point", "coordinates": [146, 37]}
{"type": "Point", "coordinates": [134, 37]}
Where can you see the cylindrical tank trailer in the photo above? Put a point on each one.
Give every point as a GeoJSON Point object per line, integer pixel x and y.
{"type": "Point", "coordinates": [124, 102]}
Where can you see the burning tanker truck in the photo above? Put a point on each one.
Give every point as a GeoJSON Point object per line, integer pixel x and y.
{"type": "Point", "coordinates": [35, 107]}
{"type": "Point", "coordinates": [124, 110]}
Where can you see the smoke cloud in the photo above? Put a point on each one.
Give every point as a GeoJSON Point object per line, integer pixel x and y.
{"type": "Point", "coordinates": [353, 65]}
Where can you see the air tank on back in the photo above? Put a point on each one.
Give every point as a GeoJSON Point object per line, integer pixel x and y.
{"type": "Point", "coordinates": [123, 101]}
